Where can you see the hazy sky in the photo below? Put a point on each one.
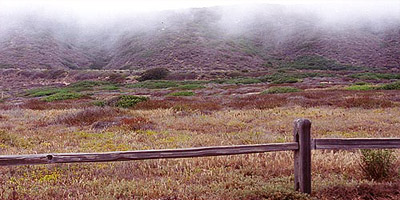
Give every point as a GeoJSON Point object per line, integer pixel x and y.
{"type": "Point", "coordinates": [91, 7]}
{"type": "Point", "coordinates": [98, 10]}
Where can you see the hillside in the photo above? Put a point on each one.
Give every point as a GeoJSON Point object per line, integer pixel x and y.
{"type": "Point", "coordinates": [202, 40]}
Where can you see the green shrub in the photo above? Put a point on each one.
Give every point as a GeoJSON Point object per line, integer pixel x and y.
{"type": "Point", "coordinates": [218, 81]}
{"type": "Point", "coordinates": [391, 86]}
{"type": "Point", "coordinates": [377, 164]}
{"type": "Point", "coordinates": [279, 78]}
{"type": "Point", "coordinates": [84, 85]}
{"type": "Point", "coordinates": [154, 74]}
{"type": "Point", "coordinates": [360, 87]}
{"type": "Point", "coordinates": [62, 96]}
{"type": "Point", "coordinates": [190, 87]}
{"type": "Point", "coordinates": [361, 83]}
{"type": "Point", "coordinates": [240, 81]}
{"type": "Point", "coordinates": [74, 87]}
{"type": "Point", "coordinates": [154, 84]}
{"type": "Point", "coordinates": [45, 91]}
{"type": "Point", "coordinates": [110, 87]}
{"type": "Point", "coordinates": [126, 101]}
{"type": "Point", "coordinates": [99, 103]}
{"type": "Point", "coordinates": [375, 76]}
{"type": "Point", "coordinates": [182, 93]}
{"type": "Point", "coordinates": [276, 90]}
{"type": "Point", "coordinates": [116, 78]}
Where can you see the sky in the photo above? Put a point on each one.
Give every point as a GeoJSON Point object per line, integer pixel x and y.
{"type": "Point", "coordinates": [84, 7]}
{"type": "Point", "coordinates": [97, 10]}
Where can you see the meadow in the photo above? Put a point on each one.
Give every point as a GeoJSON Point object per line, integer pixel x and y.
{"type": "Point", "coordinates": [99, 116]}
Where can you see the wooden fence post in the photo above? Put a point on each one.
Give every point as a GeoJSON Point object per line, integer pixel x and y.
{"type": "Point", "coordinates": [302, 156]}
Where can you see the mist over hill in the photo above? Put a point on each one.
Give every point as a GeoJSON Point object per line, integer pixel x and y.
{"type": "Point", "coordinates": [253, 37]}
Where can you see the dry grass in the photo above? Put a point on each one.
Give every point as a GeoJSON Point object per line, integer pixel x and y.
{"type": "Point", "coordinates": [87, 116]}
{"type": "Point", "coordinates": [255, 176]}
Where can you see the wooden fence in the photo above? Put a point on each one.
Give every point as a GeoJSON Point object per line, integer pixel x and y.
{"type": "Point", "coordinates": [302, 146]}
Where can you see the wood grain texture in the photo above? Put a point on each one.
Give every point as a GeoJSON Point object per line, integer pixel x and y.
{"type": "Point", "coordinates": [356, 143]}
{"type": "Point", "coordinates": [144, 155]}
{"type": "Point", "coordinates": [302, 156]}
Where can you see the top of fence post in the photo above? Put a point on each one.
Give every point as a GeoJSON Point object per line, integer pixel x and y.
{"type": "Point", "coordinates": [302, 156]}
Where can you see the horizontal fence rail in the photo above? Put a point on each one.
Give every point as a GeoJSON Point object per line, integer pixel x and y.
{"type": "Point", "coordinates": [301, 145]}
{"type": "Point", "coordinates": [144, 154]}
{"type": "Point", "coordinates": [356, 143]}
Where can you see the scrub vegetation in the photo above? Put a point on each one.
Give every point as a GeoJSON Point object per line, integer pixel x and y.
{"type": "Point", "coordinates": [100, 116]}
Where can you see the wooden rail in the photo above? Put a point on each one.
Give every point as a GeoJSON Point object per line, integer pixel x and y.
{"type": "Point", "coordinates": [301, 145]}
{"type": "Point", "coordinates": [144, 155]}
{"type": "Point", "coordinates": [356, 143]}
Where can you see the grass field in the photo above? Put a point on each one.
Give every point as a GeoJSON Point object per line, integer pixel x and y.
{"type": "Point", "coordinates": [213, 114]}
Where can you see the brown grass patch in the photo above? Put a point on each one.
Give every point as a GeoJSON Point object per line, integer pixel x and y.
{"type": "Point", "coordinates": [137, 123]}
{"type": "Point", "coordinates": [36, 104]}
{"type": "Point", "coordinates": [181, 104]}
{"type": "Point", "coordinates": [258, 102]}
{"type": "Point", "coordinates": [87, 116]}
{"type": "Point", "coordinates": [364, 191]}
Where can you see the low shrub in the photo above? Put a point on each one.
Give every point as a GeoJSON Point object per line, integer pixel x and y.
{"type": "Point", "coordinates": [181, 76]}
{"type": "Point", "coordinates": [99, 103]}
{"type": "Point", "coordinates": [190, 87]}
{"type": "Point", "coordinates": [375, 76]}
{"type": "Point", "coordinates": [44, 91]}
{"type": "Point", "coordinates": [277, 90]}
{"type": "Point", "coordinates": [127, 101]}
{"type": "Point", "coordinates": [154, 104]}
{"type": "Point", "coordinates": [360, 87]}
{"type": "Point", "coordinates": [137, 123]}
{"type": "Point", "coordinates": [154, 74]}
{"type": "Point", "coordinates": [116, 78]}
{"type": "Point", "coordinates": [83, 85]}
{"type": "Point", "coordinates": [87, 116]}
{"type": "Point", "coordinates": [390, 86]}
{"type": "Point", "coordinates": [72, 88]}
{"type": "Point", "coordinates": [360, 83]}
{"type": "Point", "coordinates": [364, 102]}
{"type": "Point", "coordinates": [240, 81]}
{"type": "Point", "coordinates": [182, 93]}
{"type": "Point", "coordinates": [62, 96]}
{"type": "Point", "coordinates": [154, 84]}
{"type": "Point", "coordinates": [110, 87]}
{"type": "Point", "coordinates": [279, 78]}
{"type": "Point", "coordinates": [377, 164]}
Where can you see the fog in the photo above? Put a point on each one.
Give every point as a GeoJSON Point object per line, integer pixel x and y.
{"type": "Point", "coordinates": [74, 20]}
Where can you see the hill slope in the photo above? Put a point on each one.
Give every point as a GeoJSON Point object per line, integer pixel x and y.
{"type": "Point", "coordinates": [203, 39]}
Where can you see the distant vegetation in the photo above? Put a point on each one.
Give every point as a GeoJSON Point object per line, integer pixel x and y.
{"type": "Point", "coordinates": [277, 90]}
{"type": "Point", "coordinates": [182, 93]}
{"type": "Point", "coordinates": [154, 84]}
{"type": "Point", "coordinates": [72, 91]}
{"type": "Point", "coordinates": [391, 86]}
{"type": "Point", "coordinates": [127, 101]}
{"type": "Point", "coordinates": [154, 74]}
{"type": "Point", "coordinates": [242, 81]}
{"type": "Point", "coordinates": [62, 96]}
{"type": "Point", "coordinates": [192, 86]}
{"type": "Point", "coordinates": [318, 63]}
{"type": "Point", "coordinates": [364, 87]}
{"type": "Point", "coordinates": [279, 78]}
{"type": "Point", "coordinates": [361, 87]}
{"type": "Point", "coordinates": [276, 78]}
{"type": "Point", "coordinates": [375, 76]}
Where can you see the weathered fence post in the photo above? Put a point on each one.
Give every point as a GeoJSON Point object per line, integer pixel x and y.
{"type": "Point", "coordinates": [302, 156]}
